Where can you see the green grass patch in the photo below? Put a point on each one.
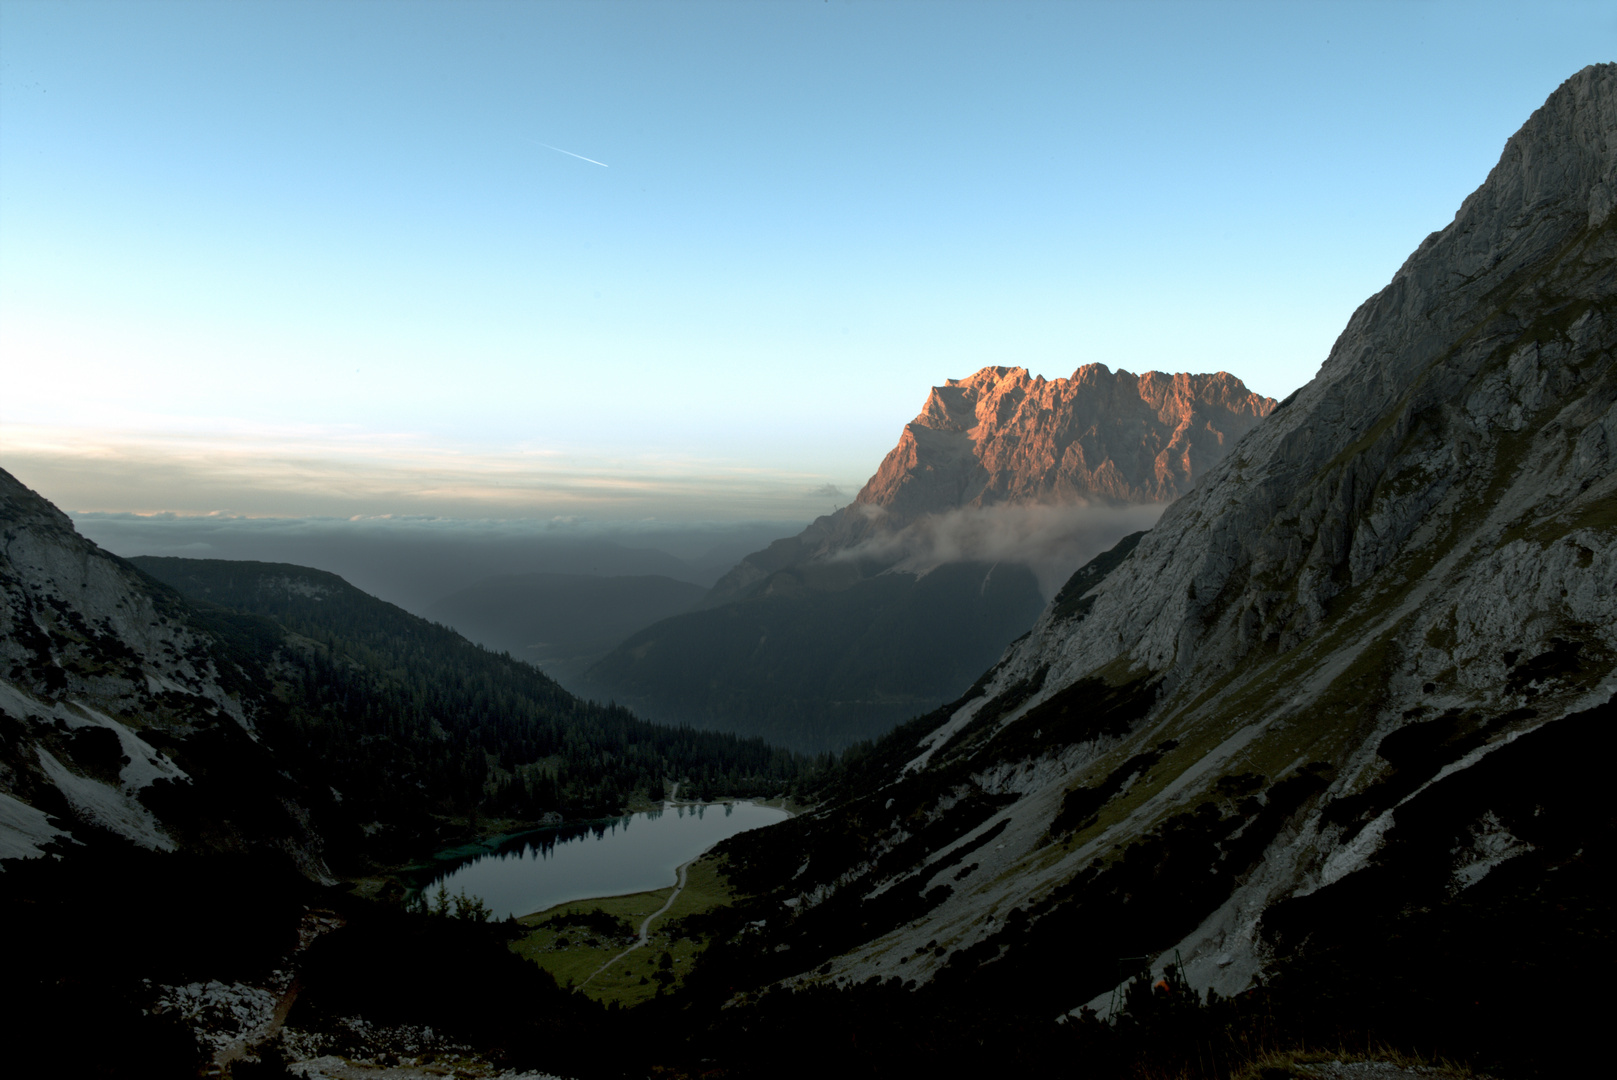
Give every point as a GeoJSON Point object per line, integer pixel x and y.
{"type": "Point", "coordinates": [1597, 515]}
{"type": "Point", "coordinates": [559, 941]}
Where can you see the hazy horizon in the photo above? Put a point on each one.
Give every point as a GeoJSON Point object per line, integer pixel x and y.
{"type": "Point", "coordinates": [305, 261]}
{"type": "Point", "coordinates": [415, 562]}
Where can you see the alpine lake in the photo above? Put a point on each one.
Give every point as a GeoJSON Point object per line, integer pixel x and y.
{"type": "Point", "coordinates": [636, 853]}
{"type": "Point", "coordinates": [602, 906]}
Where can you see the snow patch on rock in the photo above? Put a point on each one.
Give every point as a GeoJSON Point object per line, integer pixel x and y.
{"type": "Point", "coordinates": [146, 762]}
{"type": "Point", "coordinates": [104, 805]}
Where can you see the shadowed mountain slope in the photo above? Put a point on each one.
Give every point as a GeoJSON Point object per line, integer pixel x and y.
{"type": "Point", "coordinates": [210, 706]}
{"type": "Point", "coordinates": [562, 623]}
{"type": "Point", "coordinates": [815, 668]}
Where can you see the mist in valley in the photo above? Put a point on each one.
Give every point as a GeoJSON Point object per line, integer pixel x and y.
{"type": "Point", "coordinates": [1052, 541]}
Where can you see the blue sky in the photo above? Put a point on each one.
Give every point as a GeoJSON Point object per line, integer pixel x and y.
{"type": "Point", "coordinates": [316, 258]}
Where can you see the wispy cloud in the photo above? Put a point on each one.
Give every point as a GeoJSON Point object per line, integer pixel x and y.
{"type": "Point", "coordinates": [1052, 540]}
{"type": "Point", "coordinates": [569, 153]}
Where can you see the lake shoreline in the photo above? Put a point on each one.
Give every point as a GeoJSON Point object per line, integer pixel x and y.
{"type": "Point", "coordinates": [682, 867]}
{"type": "Point", "coordinates": [520, 874]}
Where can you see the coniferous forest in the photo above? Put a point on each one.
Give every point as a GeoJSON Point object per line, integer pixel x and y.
{"type": "Point", "coordinates": [412, 724]}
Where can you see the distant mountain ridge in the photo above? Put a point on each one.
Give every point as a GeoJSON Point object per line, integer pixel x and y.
{"type": "Point", "coordinates": [883, 610]}
{"type": "Point", "coordinates": [1003, 437]}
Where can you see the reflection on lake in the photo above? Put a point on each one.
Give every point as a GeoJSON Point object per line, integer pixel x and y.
{"type": "Point", "coordinates": [636, 853]}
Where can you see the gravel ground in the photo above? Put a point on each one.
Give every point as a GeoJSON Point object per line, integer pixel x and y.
{"type": "Point", "coordinates": [336, 1068]}
{"type": "Point", "coordinates": [1373, 1070]}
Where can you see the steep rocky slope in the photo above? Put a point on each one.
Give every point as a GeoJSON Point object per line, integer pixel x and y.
{"type": "Point", "coordinates": [1351, 698]}
{"type": "Point", "coordinates": [891, 606]}
{"type": "Point", "coordinates": [121, 716]}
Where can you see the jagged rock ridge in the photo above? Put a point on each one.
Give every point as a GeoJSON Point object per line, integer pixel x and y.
{"type": "Point", "coordinates": [1003, 437]}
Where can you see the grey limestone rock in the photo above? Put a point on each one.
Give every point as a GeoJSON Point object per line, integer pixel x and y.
{"type": "Point", "coordinates": [100, 666]}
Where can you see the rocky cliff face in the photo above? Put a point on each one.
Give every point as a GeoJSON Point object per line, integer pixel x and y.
{"type": "Point", "coordinates": [1363, 668]}
{"type": "Point", "coordinates": [1002, 438]}
{"type": "Point", "coordinates": [1099, 437]}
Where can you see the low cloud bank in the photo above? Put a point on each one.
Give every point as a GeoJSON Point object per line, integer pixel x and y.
{"type": "Point", "coordinates": [295, 477]}
{"type": "Point", "coordinates": [1053, 541]}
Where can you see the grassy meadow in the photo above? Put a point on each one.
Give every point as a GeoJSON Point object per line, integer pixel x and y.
{"type": "Point", "coordinates": [572, 941]}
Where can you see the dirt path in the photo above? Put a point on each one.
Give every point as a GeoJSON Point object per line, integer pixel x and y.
{"type": "Point", "coordinates": [313, 925]}
{"type": "Point", "coordinates": [645, 925]}
{"type": "Point", "coordinates": [237, 1049]}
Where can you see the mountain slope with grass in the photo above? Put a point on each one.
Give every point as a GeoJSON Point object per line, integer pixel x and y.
{"type": "Point", "coordinates": [1338, 722]}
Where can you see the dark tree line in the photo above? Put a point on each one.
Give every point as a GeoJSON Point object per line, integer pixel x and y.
{"type": "Point", "coordinates": [403, 716]}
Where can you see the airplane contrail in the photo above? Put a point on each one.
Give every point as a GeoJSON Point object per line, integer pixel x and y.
{"type": "Point", "coordinates": [569, 153]}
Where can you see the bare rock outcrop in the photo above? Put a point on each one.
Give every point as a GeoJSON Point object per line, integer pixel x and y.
{"type": "Point", "coordinates": [1099, 437]}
